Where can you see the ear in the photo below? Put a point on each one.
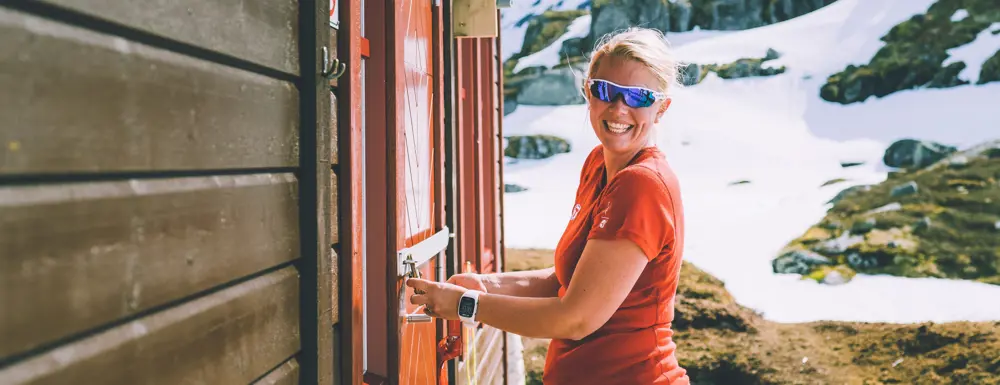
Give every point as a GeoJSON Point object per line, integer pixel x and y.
{"type": "Point", "coordinates": [663, 109]}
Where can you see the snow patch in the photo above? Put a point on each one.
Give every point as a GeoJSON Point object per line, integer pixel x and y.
{"type": "Point", "coordinates": [959, 15]}
{"type": "Point", "coordinates": [975, 53]}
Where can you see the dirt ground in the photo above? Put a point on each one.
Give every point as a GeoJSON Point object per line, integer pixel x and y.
{"type": "Point", "coordinates": [721, 342]}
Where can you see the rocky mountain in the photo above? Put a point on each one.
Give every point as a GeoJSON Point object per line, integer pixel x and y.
{"type": "Point", "coordinates": [919, 53]}
{"type": "Point", "coordinates": [937, 216]}
{"type": "Point", "coordinates": [720, 342]}
{"type": "Point", "coordinates": [685, 15]}
{"type": "Point", "coordinates": [560, 85]}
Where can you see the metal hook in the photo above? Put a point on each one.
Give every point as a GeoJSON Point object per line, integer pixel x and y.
{"type": "Point", "coordinates": [332, 70]}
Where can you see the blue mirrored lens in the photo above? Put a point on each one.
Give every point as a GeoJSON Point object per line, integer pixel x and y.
{"type": "Point", "coordinates": [633, 96]}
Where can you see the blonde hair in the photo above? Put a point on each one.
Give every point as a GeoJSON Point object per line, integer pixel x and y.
{"type": "Point", "coordinates": [644, 45]}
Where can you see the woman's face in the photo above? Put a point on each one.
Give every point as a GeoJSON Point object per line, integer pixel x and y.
{"type": "Point", "coordinates": [620, 128]}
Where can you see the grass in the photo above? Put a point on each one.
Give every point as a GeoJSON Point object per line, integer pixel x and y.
{"type": "Point", "coordinates": [721, 342]}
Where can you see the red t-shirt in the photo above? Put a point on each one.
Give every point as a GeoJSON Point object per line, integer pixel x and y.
{"type": "Point", "coordinates": [642, 203]}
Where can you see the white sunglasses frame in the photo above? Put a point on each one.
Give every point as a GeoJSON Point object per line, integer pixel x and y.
{"type": "Point", "coordinates": [657, 95]}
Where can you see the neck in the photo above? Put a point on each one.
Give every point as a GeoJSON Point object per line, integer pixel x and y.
{"type": "Point", "coordinates": [615, 162]}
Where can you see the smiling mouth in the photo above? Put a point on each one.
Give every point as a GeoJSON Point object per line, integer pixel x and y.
{"type": "Point", "coordinates": [617, 128]}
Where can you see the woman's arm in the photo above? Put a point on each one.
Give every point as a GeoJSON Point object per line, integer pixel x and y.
{"type": "Point", "coordinates": [606, 272]}
{"type": "Point", "coordinates": [530, 283]}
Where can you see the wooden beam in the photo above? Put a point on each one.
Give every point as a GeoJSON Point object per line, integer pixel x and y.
{"type": "Point", "coordinates": [81, 255]}
{"type": "Point", "coordinates": [232, 336]}
{"type": "Point", "coordinates": [83, 101]}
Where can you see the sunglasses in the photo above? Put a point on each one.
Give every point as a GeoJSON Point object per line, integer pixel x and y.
{"type": "Point", "coordinates": [635, 97]}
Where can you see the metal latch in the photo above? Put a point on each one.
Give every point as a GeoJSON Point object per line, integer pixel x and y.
{"type": "Point", "coordinates": [410, 258]}
{"type": "Point", "coordinates": [410, 267]}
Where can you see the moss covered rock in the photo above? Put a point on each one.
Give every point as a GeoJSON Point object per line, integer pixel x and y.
{"type": "Point", "coordinates": [535, 146]}
{"type": "Point", "coordinates": [741, 68]}
{"type": "Point", "coordinates": [944, 228]}
{"type": "Point", "coordinates": [915, 53]}
{"type": "Point", "coordinates": [542, 30]}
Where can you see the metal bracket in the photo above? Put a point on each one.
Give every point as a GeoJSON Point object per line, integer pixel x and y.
{"type": "Point", "coordinates": [332, 70]}
{"type": "Point", "coordinates": [410, 258]}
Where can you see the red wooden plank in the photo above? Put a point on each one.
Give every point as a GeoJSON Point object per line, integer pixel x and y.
{"type": "Point", "coordinates": [351, 167]}
{"type": "Point", "coordinates": [482, 126]}
{"type": "Point", "coordinates": [379, 114]}
{"type": "Point", "coordinates": [413, 68]}
{"type": "Point", "coordinates": [466, 159]}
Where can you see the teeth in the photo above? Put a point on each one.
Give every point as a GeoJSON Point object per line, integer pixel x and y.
{"type": "Point", "coordinates": [618, 128]}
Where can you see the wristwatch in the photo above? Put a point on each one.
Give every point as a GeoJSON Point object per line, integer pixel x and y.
{"type": "Point", "coordinates": [468, 307]}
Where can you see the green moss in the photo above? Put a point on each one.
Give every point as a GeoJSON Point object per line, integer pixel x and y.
{"type": "Point", "coordinates": [947, 229]}
{"type": "Point", "coordinates": [914, 53]}
{"type": "Point", "coordinates": [742, 68]}
{"type": "Point", "coordinates": [820, 274]}
{"type": "Point", "coordinates": [542, 30]}
{"type": "Point", "coordinates": [546, 28]}
{"type": "Point", "coordinates": [991, 69]}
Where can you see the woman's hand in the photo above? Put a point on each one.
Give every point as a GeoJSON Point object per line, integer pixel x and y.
{"type": "Point", "coordinates": [471, 281]}
{"type": "Point", "coordinates": [439, 299]}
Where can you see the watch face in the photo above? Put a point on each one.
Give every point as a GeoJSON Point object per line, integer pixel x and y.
{"type": "Point", "coordinates": [466, 306]}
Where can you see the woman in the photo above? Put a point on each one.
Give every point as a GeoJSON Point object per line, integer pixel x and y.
{"type": "Point", "coordinates": [608, 302]}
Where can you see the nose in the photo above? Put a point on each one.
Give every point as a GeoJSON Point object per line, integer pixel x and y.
{"type": "Point", "coordinates": [618, 105]}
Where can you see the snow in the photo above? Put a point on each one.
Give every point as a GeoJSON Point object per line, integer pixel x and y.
{"type": "Point", "coordinates": [777, 133]}
{"type": "Point", "coordinates": [959, 15]}
{"type": "Point", "coordinates": [976, 53]}
{"type": "Point", "coordinates": [549, 56]}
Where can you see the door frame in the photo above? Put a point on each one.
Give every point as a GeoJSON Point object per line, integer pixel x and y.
{"type": "Point", "coordinates": [384, 152]}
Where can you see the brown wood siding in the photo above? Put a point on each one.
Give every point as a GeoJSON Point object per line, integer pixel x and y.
{"type": "Point", "coordinates": [261, 31]}
{"type": "Point", "coordinates": [229, 337]}
{"type": "Point", "coordinates": [165, 193]}
{"type": "Point", "coordinates": [80, 255]}
{"type": "Point", "coordinates": [76, 100]}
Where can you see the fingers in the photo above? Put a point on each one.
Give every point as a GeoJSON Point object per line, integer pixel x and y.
{"type": "Point", "coordinates": [418, 299]}
{"type": "Point", "coordinates": [419, 284]}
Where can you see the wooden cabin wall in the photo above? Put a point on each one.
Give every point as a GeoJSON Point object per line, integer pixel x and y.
{"type": "Point", "coordinates": [166, 193]}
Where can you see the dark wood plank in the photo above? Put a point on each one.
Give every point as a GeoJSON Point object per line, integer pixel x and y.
{"type": "Point", "coordinates": [335, 287]}
{"type": "Point", "coordinates": [315, 201]}
{"type": "Point", "coordinates": [286, 374]}
{"type": "Point", "coordinates": [78, 101]}
{"type": "Point", "coordinates": [334, 129]}
{"type": "Point", "coordinates": [261, 31]}
{"type": "Point", "coordinates": [76, 256]}
{"type": "Point", "coordinates": [334, 210]}
{"type": "Point", "coordinates": [229, 337]}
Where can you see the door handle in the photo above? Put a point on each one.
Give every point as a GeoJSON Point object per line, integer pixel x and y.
{"type": "Point", "coordinates": [413, 272]}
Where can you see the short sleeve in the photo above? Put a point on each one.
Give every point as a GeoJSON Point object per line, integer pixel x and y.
{"type": "Point", "coordinates": [636, 206]}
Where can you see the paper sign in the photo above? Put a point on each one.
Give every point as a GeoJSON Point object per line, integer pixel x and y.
{"type": "Point", "coordinates": [334, 14]}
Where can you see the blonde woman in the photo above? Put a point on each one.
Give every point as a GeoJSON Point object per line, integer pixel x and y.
{"type": "Point", "coordinates": [608, 302]}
